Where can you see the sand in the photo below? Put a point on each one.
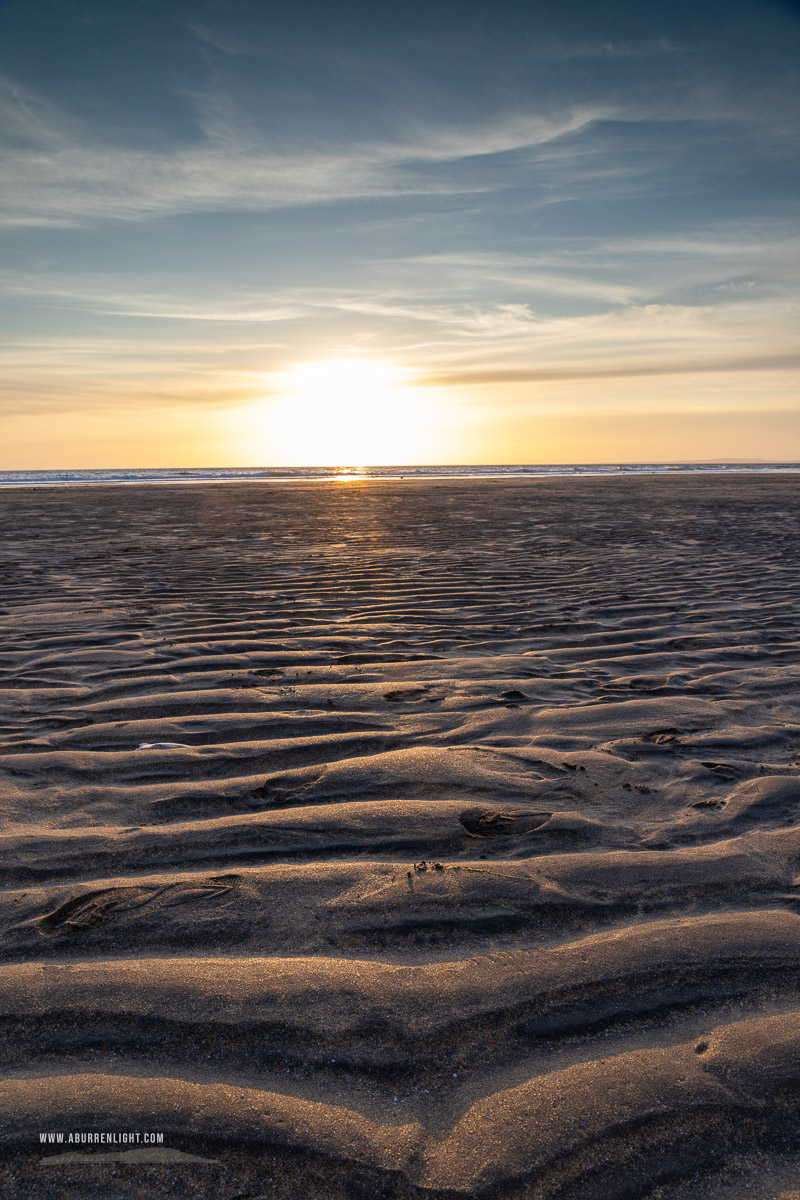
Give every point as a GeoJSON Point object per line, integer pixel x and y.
{"type": "Point", "coordinates": [401, 839]}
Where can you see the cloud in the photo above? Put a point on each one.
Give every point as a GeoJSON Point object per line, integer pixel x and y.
{"type": "Point", "coordinates": [160, 298]}
{"type": "Point", "coordinates": [562, 273]}
{"type": "Point", "coordinates": [220, 39]}
{"type": "Point", "coordinates": [502, 320]}
{"type": "Point", "coordinates": [55, 174]}
{"type": "Point", "coordinates": [777, 362]}
{"type": "Point", "coordinates": [749, 261]}
{"type": "Point", "coordinates": [595, 142]}
{"type": "Point", "coordinates": [560, 50]}
{"type": "Point", "coordinates": [734, 323]}
{"type": "Point", "coordinates": [746, 324]}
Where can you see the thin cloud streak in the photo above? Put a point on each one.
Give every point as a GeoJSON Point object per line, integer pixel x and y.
{"type": "Point", "coordinates": [785, 362]}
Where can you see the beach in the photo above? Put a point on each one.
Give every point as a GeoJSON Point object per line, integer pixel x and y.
{"type": "Point", "coordinates": [401, 839]}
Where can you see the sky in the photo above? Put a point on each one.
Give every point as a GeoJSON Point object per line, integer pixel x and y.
{"type": "Point", "coordinates": [238, 232]}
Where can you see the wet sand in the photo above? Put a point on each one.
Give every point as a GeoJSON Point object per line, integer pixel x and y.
{"type": "Point", "coordinates": [402, 839]}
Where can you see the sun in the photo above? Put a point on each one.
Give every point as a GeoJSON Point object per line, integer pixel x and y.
{"type": "Point", "coordinates": [346, 412]}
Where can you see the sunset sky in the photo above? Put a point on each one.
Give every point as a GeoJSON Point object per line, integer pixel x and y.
{"type": "Point", "coordinates": [250, 233]}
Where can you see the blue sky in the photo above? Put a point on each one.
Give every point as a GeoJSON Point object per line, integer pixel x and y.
{"type": "Point", "coordinates": [574, 226]}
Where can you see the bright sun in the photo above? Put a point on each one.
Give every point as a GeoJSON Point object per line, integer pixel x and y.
{"type": "Point", "coordinates": [346, 412]}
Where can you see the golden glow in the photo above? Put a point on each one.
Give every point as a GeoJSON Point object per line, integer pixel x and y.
{"type": "Point", "coordinates": [353, 412]}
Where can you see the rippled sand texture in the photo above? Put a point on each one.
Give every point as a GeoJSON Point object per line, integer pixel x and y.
{"type": "Point", "coordinates": [471, 869]}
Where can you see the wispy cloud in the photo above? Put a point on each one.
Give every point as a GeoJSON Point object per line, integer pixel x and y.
{"type": "Point", "coordinates": [724, 323]}
{"type": "Point", "coordinates": [55, 174]}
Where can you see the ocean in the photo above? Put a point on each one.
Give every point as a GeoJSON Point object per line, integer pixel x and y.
{"type": "Point", "coordinates": [134, 475]}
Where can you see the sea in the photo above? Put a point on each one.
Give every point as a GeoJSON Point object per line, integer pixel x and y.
{"type": "Point", "coordinates": [173, 475]}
